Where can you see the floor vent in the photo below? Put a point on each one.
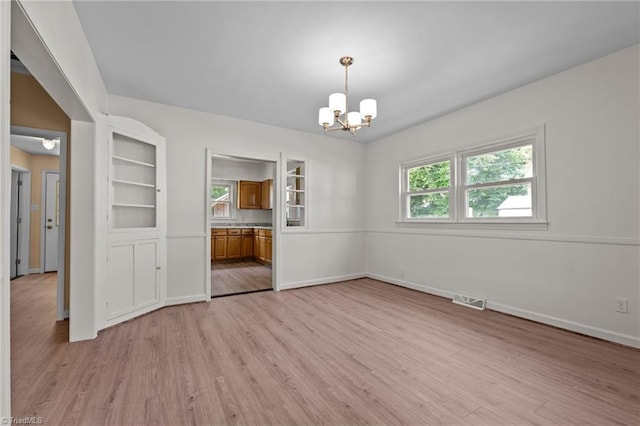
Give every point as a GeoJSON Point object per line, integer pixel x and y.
{"type": "Point", "coordinates": [469, 301]}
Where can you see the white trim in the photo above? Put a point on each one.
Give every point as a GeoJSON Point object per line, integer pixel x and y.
{"type": "Point", "coordinates": [187, 299]}
{"type": "Point", "coordinates": [414, 286]}
{"type": "Point", "coordinates": [134, 313]}
{"type": "Point", "coordinates": [599, 333]}
{"type": "Point", "coordinates": [65, 314]}
{"type": "Point", "coordinates": [320, 281]}
{"type": "Point", "coordinates": [5, 203]}
{"type": "Point", "coordinates": [186, 235]}
{"type": "Point", "coordinates": [612, 336]}
{"type": "Point", "coordinates": [35, 271]}
{"type": "Point", "coordinates": [325, 231]}
{"type": "Point", "coordinates": [468, 233]}
{"type": "Point", "coordinates": [208, 167]}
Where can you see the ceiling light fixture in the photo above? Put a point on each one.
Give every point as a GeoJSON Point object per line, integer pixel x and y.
{"type": "Point", "coordinates": [48, 144]}
{"type": "Point", "coordinates": [329, 117]}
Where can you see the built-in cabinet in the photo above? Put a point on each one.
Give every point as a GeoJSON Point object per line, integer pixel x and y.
{"type": "Point", "coordinates": [136, 239]}
{"type": "Point", "coordinates": [241, 243]}
{"type": "Point", "coordinates": [255, 195]}
{"type": "Point", "coordinates": [249, 193]}
{"type": "Point", "coordinates": [266, 197]}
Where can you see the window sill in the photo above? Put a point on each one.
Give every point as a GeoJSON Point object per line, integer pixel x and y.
{"type": "Point", "coordinates": [479, 224]}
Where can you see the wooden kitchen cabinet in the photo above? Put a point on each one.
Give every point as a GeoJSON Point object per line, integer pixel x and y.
{"type": "Point", "coordinates": [234, 245]}
{"type": "Point", "coordinates": [263, 245]}
{"type": "Point", "coordinates": [247, 243]}
{"type": "Point", "coordinates": [249, 193]}
{"type": "Point", "coordinates": [266, 197]}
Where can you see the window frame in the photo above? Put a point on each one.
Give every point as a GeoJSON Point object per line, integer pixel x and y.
{"type": "Point", "coordinates": [458, 188]}
{"type": "Point", "coordinates": [232, 185]}
{"type": "Point", "coordinates": [406, 193]}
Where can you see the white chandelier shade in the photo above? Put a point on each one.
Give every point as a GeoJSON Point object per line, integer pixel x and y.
{"type": "Point", "coordinates": [337, 115]}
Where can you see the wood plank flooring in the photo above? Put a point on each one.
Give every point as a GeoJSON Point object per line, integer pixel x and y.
{"type": "Point", "coordinates": [239, 277]}
{"type": "Point", "coordinates": [358, 352]}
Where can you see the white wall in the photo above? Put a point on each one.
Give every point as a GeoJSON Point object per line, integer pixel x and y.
{"type": "Point", "coordinates": [5, 180]}
{"type": "Point", "coordinates": [236, 170]}
{"type": "Point", "coordinates": [569, 275]}
{"type": "Point", "coordinates": [333, 245]}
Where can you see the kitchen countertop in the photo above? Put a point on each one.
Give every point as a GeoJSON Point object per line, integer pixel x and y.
{"type": "Point", "coordinates": [244, 225]}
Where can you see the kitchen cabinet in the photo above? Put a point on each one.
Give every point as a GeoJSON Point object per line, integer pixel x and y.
{"type": "Point", "coordinates": [266, 196]}
{"type": "Point", "coordinates": [234, 244]}
{"type": "Point", "coordinates": [218, 244]}
{"type": "Point", "coordinates": [247, 243]}
{"type": "Point", "coordinates": [263, 246]}
{"type": "Point", "coordinates": [249, 193]}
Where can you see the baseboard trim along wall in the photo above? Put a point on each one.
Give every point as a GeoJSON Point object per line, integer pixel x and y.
{"type": "Point", "coordinates": [599, 333]}
{"type": "Point", "coordinates": [319, 281]}
{"type": "Point", "coordinates": [186, 299]}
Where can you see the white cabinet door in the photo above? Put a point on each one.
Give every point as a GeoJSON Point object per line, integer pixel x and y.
{"type": "Point", "coordinates": [136, 252]}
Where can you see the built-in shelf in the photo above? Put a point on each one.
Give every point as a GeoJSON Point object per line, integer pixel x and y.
{"type": "Point", "coordinates": [129, 160]}
{"type": "Point", "coordinates": [133, 183]}
{"type": "Point", "coordinates": [126, 182]}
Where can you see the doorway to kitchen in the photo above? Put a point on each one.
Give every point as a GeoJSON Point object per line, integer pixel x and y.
{"type": "Point", "coordinates": [242, 208]}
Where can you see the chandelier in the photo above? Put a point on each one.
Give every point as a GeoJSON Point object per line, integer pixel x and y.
{"type": "Point", "coordinates": [337, 115]}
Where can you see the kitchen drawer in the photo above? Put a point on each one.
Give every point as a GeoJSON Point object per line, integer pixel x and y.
{"type": "Point", "coordinates": [248, 231]}
{"type": "Point", "coordinates": [235, 231]}
{"type": "Point", "coordinates": [218, 231]}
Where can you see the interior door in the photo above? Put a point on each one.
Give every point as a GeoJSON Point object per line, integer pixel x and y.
{"type": "Point", "coordinates": [136, 246]}
{"type": "Point", "coordinates": [51, 221]}
{"type": "Point", "coordinates": [15, 202]}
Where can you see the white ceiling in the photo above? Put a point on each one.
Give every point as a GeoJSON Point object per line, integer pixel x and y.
{"type": "Point", "coordinates": [33, 145]}
{"type": "Point", "coordinates": [277, 62]}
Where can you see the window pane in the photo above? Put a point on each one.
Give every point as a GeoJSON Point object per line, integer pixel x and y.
{"type": "Point", "coordinates": [220, 192]}
{"type": "Point", "coordinates": [499, 166]}
{"type": "Point", "coordinates": [502, 201]}
{"type": "Point", "coordinates": [434, 205]}
{"type": "Point", "coordinates": [430, 176]}
{"type": "Point", "coordinates": [220, 209]}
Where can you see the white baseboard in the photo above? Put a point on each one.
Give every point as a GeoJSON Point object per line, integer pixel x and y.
{"type": "Point", "coordinates": [319, 281]}
{"type": "Point", "coordinates": [611, 336]}
{"type": "Point", "coordinates": [414, 286]}
{"type": "Point", "coordinates": [34, 271]}
{"type": "Point", "coordinates": [65, 315]}
{"type": "Point", "coordinates": [186, 299]}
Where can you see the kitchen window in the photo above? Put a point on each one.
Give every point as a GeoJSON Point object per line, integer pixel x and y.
{"type": "Point", "coordinates": [222, 199]}
{"type": "Point", "coordinates": [502, 182]}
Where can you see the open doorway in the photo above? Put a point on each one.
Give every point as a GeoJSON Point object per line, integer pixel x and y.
{"type": "Point", "coordinates": [38, 151]}
{"type": "Point", "coordinates": [241, 215]}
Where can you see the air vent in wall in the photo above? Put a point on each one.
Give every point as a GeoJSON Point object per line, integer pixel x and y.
{"type": "Point", "coordinates": [469, 301]}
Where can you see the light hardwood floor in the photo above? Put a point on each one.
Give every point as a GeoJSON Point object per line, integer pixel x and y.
{"type": "Point", "coordinates": [239, 277]}
{"type": "Point", "coordinates": [358, 352]}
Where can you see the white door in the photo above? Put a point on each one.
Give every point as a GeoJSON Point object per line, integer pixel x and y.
{"type": "Point", "coordinates": [15, 202]}
{"type": "Point", "coordinates": [51, 221]}
{"type": "Point", "coordinates": [136, 246]}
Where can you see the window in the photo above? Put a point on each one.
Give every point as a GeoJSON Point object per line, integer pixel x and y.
{"type": "Point", "coordinates": [428, 188]}
{"type": "Point", "coordinates": [222, 199]}
{"type": "Point", "coordinates": [501, 182]}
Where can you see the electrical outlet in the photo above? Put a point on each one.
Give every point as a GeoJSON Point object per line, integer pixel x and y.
{"type": "Point", "coordinates": [622, 306]}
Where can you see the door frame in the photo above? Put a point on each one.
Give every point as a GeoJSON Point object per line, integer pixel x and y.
{"type": "Point", "coordinates": [24, 211]}
{"type": "Point", "coordinates": [275, 216]}
{"type": "Point", "coordinates": [61, 312]}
